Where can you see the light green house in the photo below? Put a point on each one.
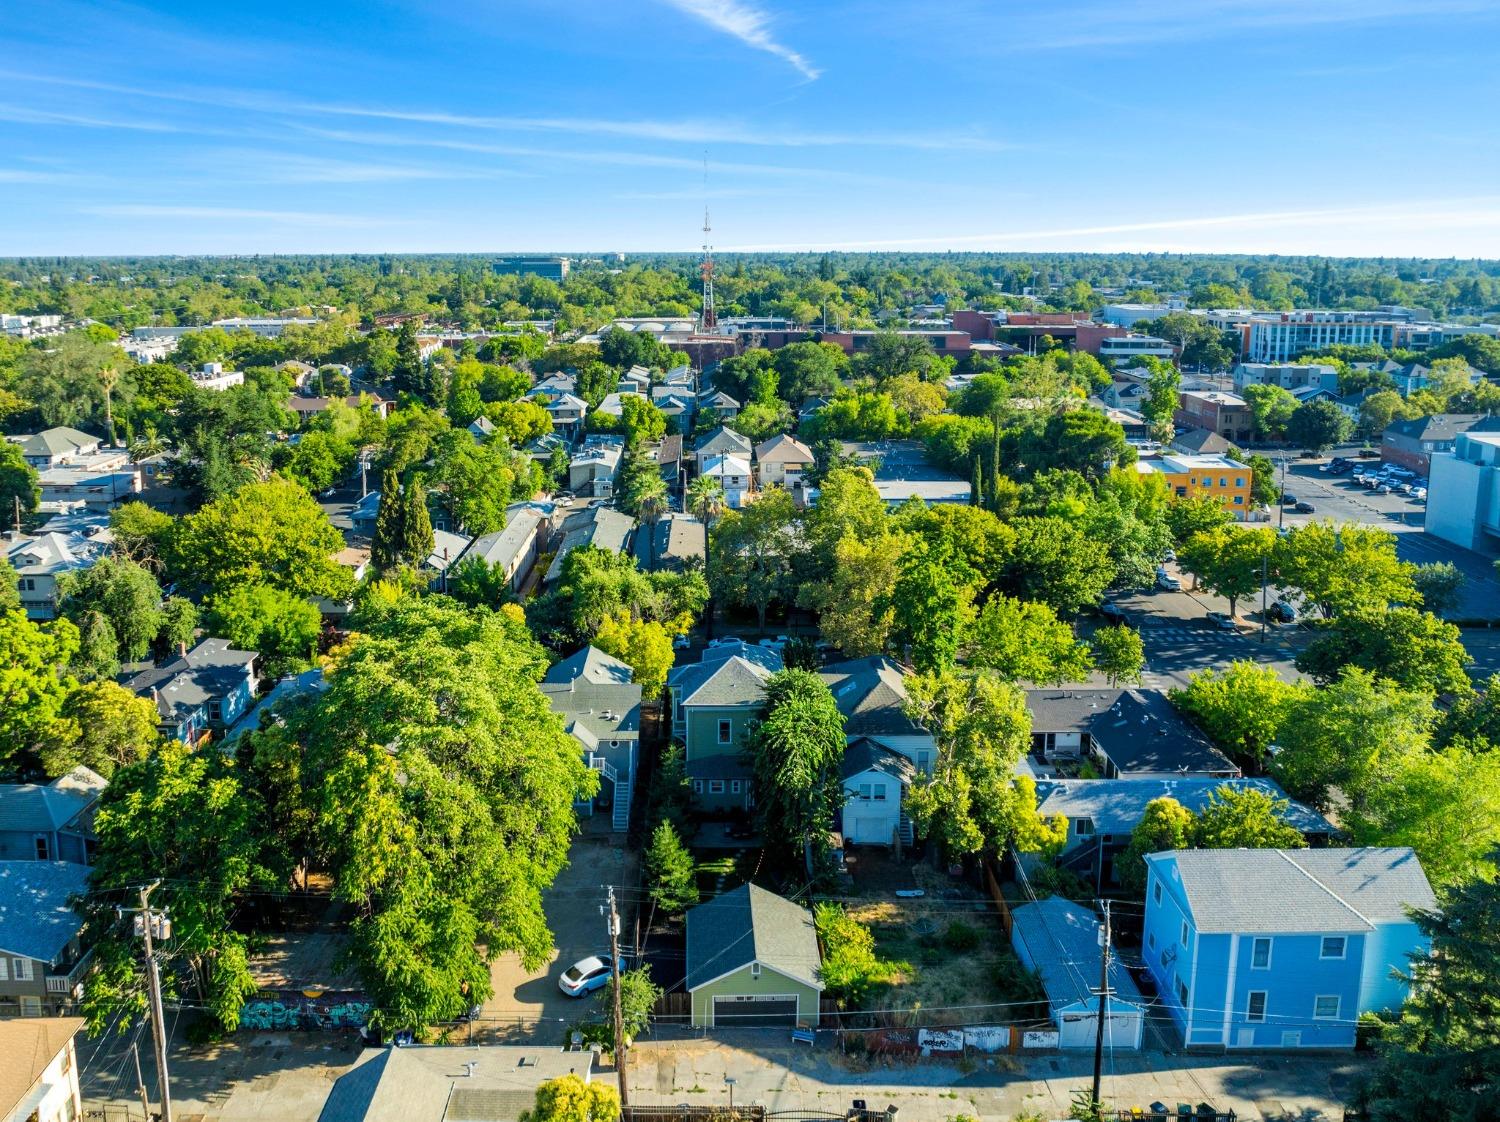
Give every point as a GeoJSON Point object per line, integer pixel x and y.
{"type": "Point", "coordinates": [753, 961]}
{"type": "Point", "coordinates": [714, 702]}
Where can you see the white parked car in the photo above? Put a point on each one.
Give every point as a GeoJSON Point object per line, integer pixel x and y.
{"type": "Point", "coordinates": [585, 976]}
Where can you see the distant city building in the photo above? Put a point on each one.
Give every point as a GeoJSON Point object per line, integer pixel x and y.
{"type": "Point", "coordinates": [1128, 315]}
{"type": "Point", "coordinates": [213, 376]}
{"type": "Point", "coordinates": [529, 265]}
{"type": "Point", "coordinates": [1224, 413]}
{"type": "Point", "coordinates": [1278, 337]}
{"type": "Point", "coordinates": [1287, 375]}
{"type": "Point", "coordinates": [1121, 350]}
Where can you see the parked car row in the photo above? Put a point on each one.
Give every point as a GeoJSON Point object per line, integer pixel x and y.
{"type": "Point", "coordinates": [1389, 479]}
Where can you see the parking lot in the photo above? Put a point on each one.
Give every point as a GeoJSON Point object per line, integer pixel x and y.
{"type": "Point", "coordinates": [1339, 498]}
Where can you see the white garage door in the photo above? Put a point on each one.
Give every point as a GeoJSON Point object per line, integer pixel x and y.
{"type": "Point", "coordinates": [1079, 1029]}
{"type": "Point", "coordinates": [871, 831]}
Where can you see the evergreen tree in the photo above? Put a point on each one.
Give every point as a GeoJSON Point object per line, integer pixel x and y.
{"type": "Point", "coordinates": [669, 871]}
{"type": "Point", "coordinates": [390, 521]}
{"type": "Point", "coordinates": [1441, 1060]}
{"type": "Point", "coordinates": [976, 487]}
{"type": "Point", "coordinates": [416, 525]}
{"type": "Point", "coordinates": [408, 373]}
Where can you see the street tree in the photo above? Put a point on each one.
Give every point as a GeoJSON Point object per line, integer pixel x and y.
{"type": "Point", "coordinates": [1410, 647]}
{"type": "Point", "coordinates": [19, 489]}
{"type": "Point", "coordinates": [1230, 561]}
{"type": "Point", "coordinates": [1271, 409]}
{"type": "Point", "coordinates": [1055, 562]}
{"type": "Point", "coordinates": [34, 687]}
{"type": "Point", "coordinates": [1440, 584]}
{"type": "Point", "coordinates": [638, 998]}
{"type": "Point", "coordinates": [1023, 641]}
{"type": "Point", "coordinates": [931, 608]}
{"type": "Point", "coordinates": [1195, 514]}
{"type": "Point", "coordinates": [752, 552]}
{"type": "Point", "coordinates": [125, 594]}
{"type": "Point", "coordinates": [794, 749]}
{"type": "Point", "coordinates": [853, 601]}
{"type": "Point", "coordinates": [282, 626]}
{"type": "Point", "coordinates": [114, 728]}
{"type": "Point", "coordinates": [1118, 653]}
{"type": "Point", "coordinates": [1339, 569]}
{"type": "Point", "coordinates": [1242, 708]}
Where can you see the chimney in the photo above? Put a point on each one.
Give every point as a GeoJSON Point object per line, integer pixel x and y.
{"type": "Point", "coordinates": [181, 649]}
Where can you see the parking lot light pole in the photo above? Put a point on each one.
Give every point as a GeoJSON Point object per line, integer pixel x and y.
{"type": "Point", "coordinates": [1265, 562]}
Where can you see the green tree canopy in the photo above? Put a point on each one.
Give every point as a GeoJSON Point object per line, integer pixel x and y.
{"type": "Point", "coordinates": [1245, 818]}
{"type": "Point", "coordinates": [1165, 825]}
{"type": "Point", "coordinates": [795, 749]}
{"type": "Point", "coordinates": [1408, 646]}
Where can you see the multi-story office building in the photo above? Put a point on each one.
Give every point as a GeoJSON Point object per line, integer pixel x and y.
{"type": "Point", "coordinates": [532, 265]}
{"type": "Point", "coordinates": [1218, 477]}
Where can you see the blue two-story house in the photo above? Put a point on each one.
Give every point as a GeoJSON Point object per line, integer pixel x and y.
{"type": "Point", "coordinates": [1280, 948]}
{"type": "Point", "coordinates": [198, 692]}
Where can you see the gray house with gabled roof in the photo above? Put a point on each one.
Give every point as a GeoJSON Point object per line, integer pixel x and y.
{"type": "Point", "coordinates": [724, 441]}
{"type": "Point", "coordinates": [601, 708]}
{"type": "Point", "coordinates": [753, 961]}
{"type": "Point", "coordinates": [195, 692]}
{"type": "Point", "coordinates": [1126, 732]}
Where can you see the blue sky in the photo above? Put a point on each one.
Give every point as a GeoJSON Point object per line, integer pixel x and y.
{"type": "Point", "coordinates": [1326, 126]}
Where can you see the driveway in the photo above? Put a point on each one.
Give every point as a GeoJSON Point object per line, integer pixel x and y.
{"type": "Point", "coordinates": [530, 1003]}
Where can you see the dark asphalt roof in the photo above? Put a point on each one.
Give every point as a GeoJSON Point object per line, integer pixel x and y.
{"type": "Point", "coordinates": [749, 924]}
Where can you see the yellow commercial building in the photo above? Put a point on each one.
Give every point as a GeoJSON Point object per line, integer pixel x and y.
{"type": "Point", "coordinates": [1218, 477]}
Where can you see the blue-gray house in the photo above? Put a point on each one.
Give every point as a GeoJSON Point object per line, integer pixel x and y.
{"type": "Point", "coordinates": [197, 692]}
{"type": "Point", "coordinates": [1280, 948]}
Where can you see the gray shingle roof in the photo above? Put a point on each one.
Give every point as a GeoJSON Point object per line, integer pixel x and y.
{"type": "Point", "coordinates": [1139, 730]}
{"type": "Point", "coordinates": [57, 441]}
{"type": "Point", "coordinates": [724, 440]}
{"type": "Point", "coordinates": [749, 924]}
{"type": "Point", "coordinates": [1297, 890]}
{"type": "Point", "coordinates": [784, 448]}
{"type": "Point", "coordinates": [672, 541]}
{"type": "Point", "coordinates": [863, 754]}
{"type": "Point", "coordinates": [504, 545]}
{"type": "Point", "coordinates": [36, 920]}
{"type": "Point", "coordinates": [596, 525]}
{"type": "Point", "coordinates": [1117, 805]}
{"type": "Point", "coordinates": [594, 692]}
{"type": "Point", "coordinates": [37, 808]}
{"type": "Point", "coordinates": [727, 674]}
{"type": "Point", "coordinates": [871, 694]}
{"type": "Point", "coordinates": [1062, 939]}
{"type": "Point", "coordinates": [181, 685]}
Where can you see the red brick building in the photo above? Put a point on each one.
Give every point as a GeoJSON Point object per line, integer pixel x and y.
{"type": "Point", "coordinates": [1227, 414]}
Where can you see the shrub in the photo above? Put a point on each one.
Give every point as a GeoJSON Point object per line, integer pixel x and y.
{"type": "Point", "coordinates": [960, 937]}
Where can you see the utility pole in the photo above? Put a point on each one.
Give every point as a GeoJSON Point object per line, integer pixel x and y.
{"type": "Point", "coordinates": [1264, 577]}
{"type": "Point", "coordinates": [1104, 996]}
{"type": "Point", "coordinates": [150, 925]}
{"type": "Point", "coordinates": [614, 969]}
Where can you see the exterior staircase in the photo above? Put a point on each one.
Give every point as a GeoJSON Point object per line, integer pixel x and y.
{"type": "Point", "coordinates": [620, 814]}
{"type": "Point", "coordinates": [905, 831]}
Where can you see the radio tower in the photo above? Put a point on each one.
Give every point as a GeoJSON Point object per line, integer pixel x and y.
{"type": "Point", "coordinates": [710, 321]}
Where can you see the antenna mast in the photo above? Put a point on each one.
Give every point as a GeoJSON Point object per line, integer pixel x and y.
{"type": "Point", "coordinates": [710, 319]}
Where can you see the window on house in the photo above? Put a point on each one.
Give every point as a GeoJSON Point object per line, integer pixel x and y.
{"type": "Point", "coordinates": [715, 786]}
{"type": "Point", "coordinates": [1182, 992]}
{"type": "Point", "coordinates": [734, 786]}
{"type": "Point", "coordinates": [21, 969]}
{"type": "Point", "coordinates": [726, 732]}
{"type": "Point", "coordinates": [878, 793]}
{"type": "Point", "coordinates": [1156, 892]}
{"type": "Point", "coordinates": [28, 584]}
{"type": "Point", "coordinates": [1151, 940]}
{"type": "Point", "coordinates": [1333, 946]}
{"type": "Point", "coordinates": [1084, 827]}
{"type": "Point", "coordinates": [1239, 500]}
{"type": "Point", "coordinates": [1184, 938]}
{"type": "Point", "coordinates": [1255, 1006]}
{"type": "Point", "coordinates": [1326, 1007]}
{"type": "Point", "coordinates": [1239, 480]}
{"type": "Point", "coordinates": [864, 791]}
{"type": "Point", "coordinates": [697, 786]}
{"type": "Point", "coordinates": [43, 849]}
{"type": "Point", "coordinates": [924, 760]}
{"type": "Point", "coordinates": [1260, 954]}
{"type": "Point", "coordinates": [4, 970]}
{"type": "Point", "coordinates": [755, 970]}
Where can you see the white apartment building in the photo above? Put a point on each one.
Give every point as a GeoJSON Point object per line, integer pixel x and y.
{"type": "Point", "coordinates": [1287, 375]}
{"type": "Point", "coordinates": [1463, 492]}
{"type": "Point", "coordinates": [213, 376]}
{"type": "Point", "coordinates": [1117, 352]}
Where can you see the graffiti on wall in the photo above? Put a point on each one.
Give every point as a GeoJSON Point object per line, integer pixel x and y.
{"type": "Point", "coordinates": [287, 1010]}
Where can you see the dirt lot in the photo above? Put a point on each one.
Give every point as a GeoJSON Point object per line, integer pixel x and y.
{"type": "Point", "coordinates": [955, 957]}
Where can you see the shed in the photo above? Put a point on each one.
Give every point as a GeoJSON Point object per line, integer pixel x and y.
{"type": "Point", "coordinates": [1060, 941]}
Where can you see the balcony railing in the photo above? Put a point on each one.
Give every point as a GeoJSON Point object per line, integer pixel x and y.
{"type": "Point", "coordinates": [67, 983]}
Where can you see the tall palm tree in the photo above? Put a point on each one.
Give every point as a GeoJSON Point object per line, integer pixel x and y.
{"type": "Point", "coordinates": [705, 498]}
{"type": "Point", "coordinates": [108, 377]}
{"type": "Point", "coordinates": [653, 505]}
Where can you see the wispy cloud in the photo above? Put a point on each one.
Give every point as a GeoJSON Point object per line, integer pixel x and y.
{"type": "Point", "coordinates": [228, 213]}
{"type": "Point", "coordinates": [25, 115]}
{"type": "Point", "coordinates": [25, 175]}
{"type": "Point", "coordinates": [1160, 21]}
{"type": "Point", "coordinates": [748, 24]}
{"type": "Point", "coordinates": [257, 166]}
{"type": "Point", "coordinates": [1428, 215]}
